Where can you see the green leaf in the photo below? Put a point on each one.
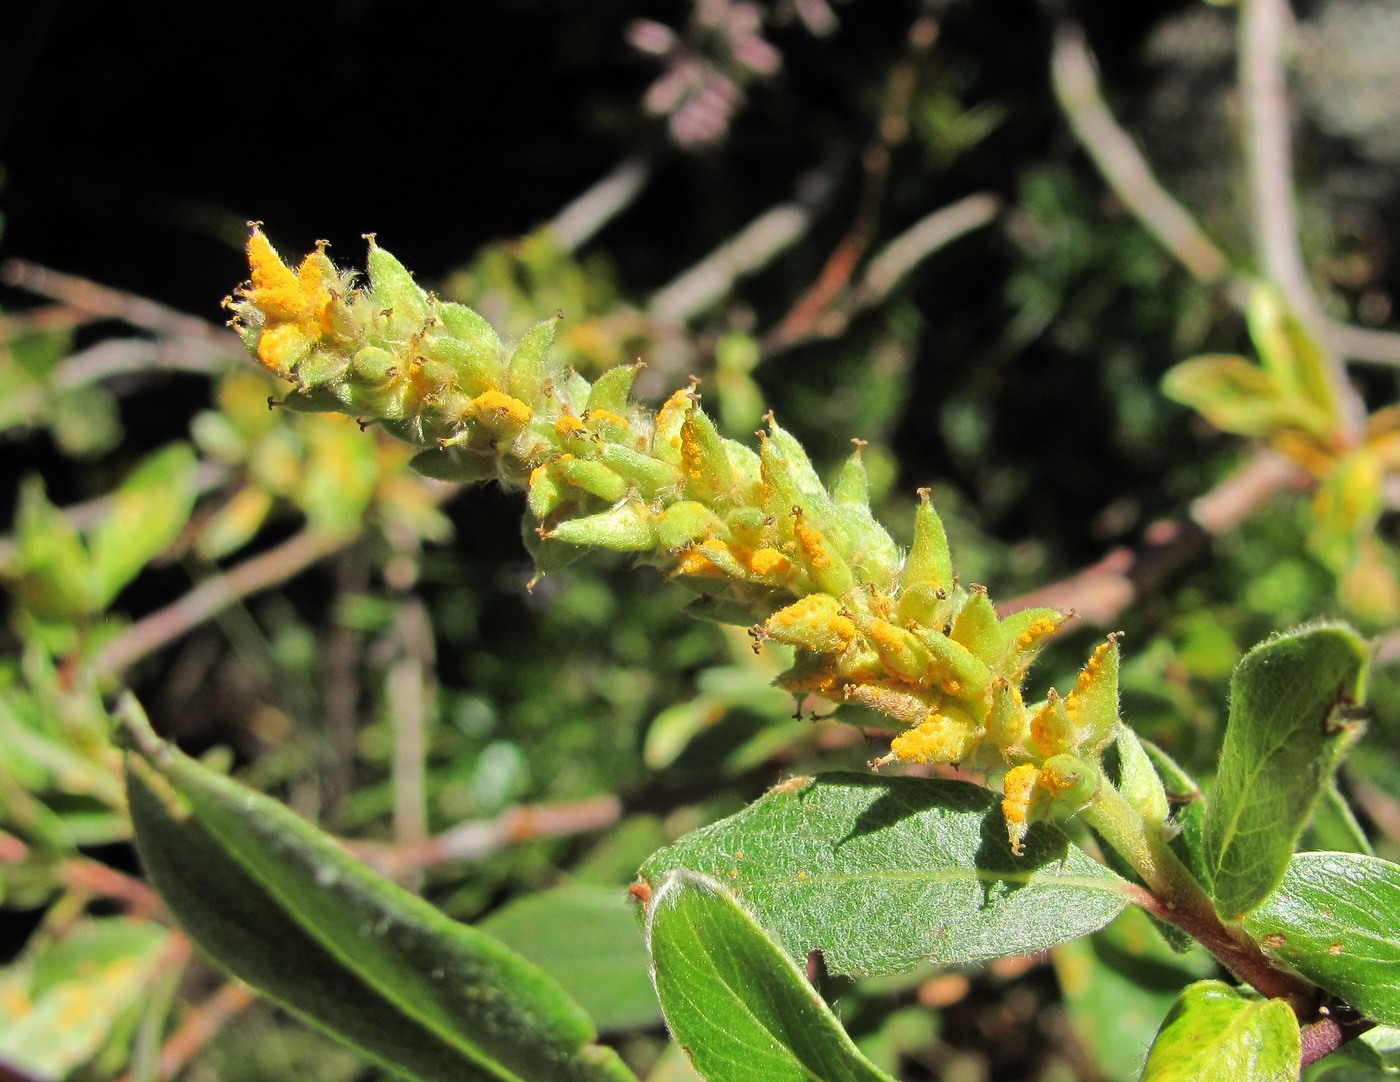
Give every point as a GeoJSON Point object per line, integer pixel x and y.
{"type": "Point", "coordinates": [883, 873]}
{"type": "Point", "coordinates": [62, 999]}
{"type": "Point", "coordinates": [1117, 985]}
{"type": "Point", "coordinates": [1237, 396]}
{"type": "Point", "coordinates": [586, 938]}
{"type": "Point", "coordinates": [741, 1008]}
{"type": "Point", "coordinates": [284, 908]}
{"type": "Point", "coordinates": [1214, 1032]}
{"type": "Point", "coordinates": [1282, 742]}
{"type": "Point", "coordinates": [1334, 919]}
{"type": "Point", "coordinates": [51, 566]}
{"type": "Point", "coordinates": [147, 514]}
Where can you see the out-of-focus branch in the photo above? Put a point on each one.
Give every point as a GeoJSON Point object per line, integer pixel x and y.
{"type": "Point", "coordinates": [212, 596]}
{"type": "Point", "coordinates": [107, 303]}
{"type": "Point", "coordinates": [480, 838]}
{"type": "Point", "coordinates": [1122, 164]}
{"type": "Point", "coordinates": [1099, 594]}
{"type": "Point", "coordinates": [581, 219]}
{"type": "Point", "coordinates": [1365, 343]}
{"type": "Point", "coordinates": [411, 697]}
{"type": "Point", "coordinates": [751, 248]}
{"type": "Point", "coordinates": [200, 1025]}
{"type": "Point", "coordinates": [1264, 29]}
{"type": "Point", "coordinates": [891, 131]}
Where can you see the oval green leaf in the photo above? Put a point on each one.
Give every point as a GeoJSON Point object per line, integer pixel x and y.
{"type": "Point", "coordinates": [1282, 742]}
{"type": "Point", "coordinates": [585, 937]}
{"type": "Point", "coordinates": [880, 874]}
{"type": "Point", "coordinates": [1334, 920]}
{"type": "Point", "coordinates": [738, 1005]}
{"type": "Point", "coordinates": [286, 909]}
{"type": "Point", "coordinates": [1214, 1032]}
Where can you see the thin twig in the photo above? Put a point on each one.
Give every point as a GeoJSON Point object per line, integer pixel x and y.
{"type": "Point", "coordinates": [580, 221]}
{"type": "Point", "coordinates": [1365, 343]}
{"type": "Point", "coordinates": [212, 596]}
{"type": "Point", "coordinates": [1122, 164]}
{"type": "Point", "coordinates": [105, 302]}
{"type": "Point", "coordinates": [1238, 953]}
{"type": "Point", "coordinates": [926, 236]}
{"type": "Point", "coordinates": [410, 693]}
{"type": "Point", "coordinates": [143, 356]}
{"type": "Point", "coordinates": [1264, 28]}
{"type": "Point", "coordinates": [478, 839]}
{"type": "Point", "coordinates": [891, 130]}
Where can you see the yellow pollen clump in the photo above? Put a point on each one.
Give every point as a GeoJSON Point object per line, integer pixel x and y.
{"type": "Point", "coordinates": [769, 562]}
{"type": "Point", "coordinates": [1047, 625]}
{"type": "Point", "coordinates": [276, 290]}
{"type": "Point", "coordinates": [811, 541]}
{"type": "Point", "coordinates": [504, 406]}
{"type": "Point", "coordinates": [694, 562]}
{"type": "Point", "coordinates": [1019, 786]}
{"type": "Point", "coordinates": [607, 417]}
{"type": "Point", "coordinates": [569, 426]}
{"type": "Point", "coordinates": [813, 605]}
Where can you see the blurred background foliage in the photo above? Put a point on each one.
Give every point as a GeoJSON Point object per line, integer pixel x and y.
{"type": "Point", "coordinates": [875, 220]}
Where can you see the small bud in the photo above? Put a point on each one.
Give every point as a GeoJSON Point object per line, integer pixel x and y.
{"type": "Point", "coordinates": [929, 562]}
{"type": "Point", "coordinates": [976, 626]}
{"type": "Point", "coordinates": [1025, 634]}
{"type": "Point", "coordinates": [1052, 729]}
{"type": "Point", "coordinates": [956, 671]}
{"type": "Point", "coordinates": [852, 488]}
{"type": "Point", "coordinates": [901, 653]}
{"type": "Point", "coordinates": [819, 557]}
{"type": "Point", "coordinates": [1007, 726]}
{"type": "Point", "coordinates": [650, 476]}
{"type": "Point", "coordinates": [476, 364]}
{"type": "Point", "coordinates": [1138, 780]}
{"type": "Point", "coordinates": [1093, 704]}
{"type": "Point", "coordinates": [704, 461]}
{"type": "Point", "coordinates": [612, 390]}
{"type": "Point", "coordinates": [939, 738]}
{"type": "Point", "coordinates": [531, 367]}
{"type": "Point", "coordinates": [816, 622]}
{"type": "Point", "coordinates": [628, 527]}
{"type": "Point", "coordinates": [395, 291]}
{"type": "Point", "coordinates": [686, 522]}
{"type": "Point", "coordinates": [592, 477]}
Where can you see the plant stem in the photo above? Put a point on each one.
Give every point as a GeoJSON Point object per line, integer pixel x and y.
{"type": "Point", "coordinates": [1174, 896]}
